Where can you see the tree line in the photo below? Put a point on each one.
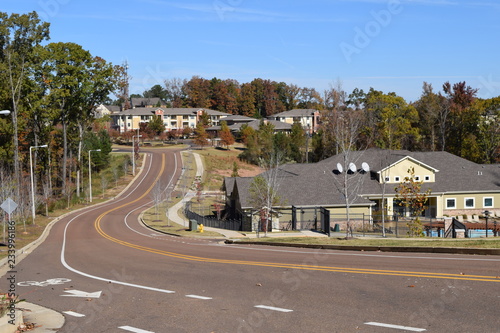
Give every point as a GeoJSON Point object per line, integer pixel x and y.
{"type": "Point", "coordinates": [51, 90]}
{"type": "Point", "coordinates": [453, 119]}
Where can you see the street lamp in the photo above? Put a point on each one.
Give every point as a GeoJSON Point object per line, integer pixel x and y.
{"type": "Point", "coordinates": [90, 174]}
{"type": "Point", "coordinates": [5, 112]}
{"type": "Point", "coordinates": [486, 215]}
{"type": "Point", "coordinates": [32, 182]}
{"type": "Point", "coordinates": [133, 151]}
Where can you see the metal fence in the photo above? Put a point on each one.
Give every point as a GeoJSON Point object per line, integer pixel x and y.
{"type": "Point", "coordinates": [212, 221]}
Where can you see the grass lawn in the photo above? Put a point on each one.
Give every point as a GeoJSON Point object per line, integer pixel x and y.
{"type": "Point", "coordinates": [483, 243]}
{"type": "Point", "coordinates": [219, 162]}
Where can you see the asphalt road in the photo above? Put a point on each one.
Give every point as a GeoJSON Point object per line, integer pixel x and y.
{"type": "Point", "coordinates": [150, 282]}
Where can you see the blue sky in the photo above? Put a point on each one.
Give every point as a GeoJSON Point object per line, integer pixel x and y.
{"type": "Point", "coordinates": [388, 45]}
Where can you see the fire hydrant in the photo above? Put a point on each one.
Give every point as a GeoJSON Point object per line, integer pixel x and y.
{"type": "Point", "coordinates": [200, 227]}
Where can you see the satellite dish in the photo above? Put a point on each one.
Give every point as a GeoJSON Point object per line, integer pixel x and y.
{"type": "Point", "coordinates": [365, 167]}
{"type": "Point", "coordinates": [352, 167]}
{"type": "Point", "coordinates": [340, 168]}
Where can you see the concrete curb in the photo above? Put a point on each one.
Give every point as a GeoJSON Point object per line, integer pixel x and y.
{"type": "Point", "coordinates": [448, 250]}
{"type": "Point", "coordinates": [46, 320]}
{"type": "Point", "coordinates": [153, 229]}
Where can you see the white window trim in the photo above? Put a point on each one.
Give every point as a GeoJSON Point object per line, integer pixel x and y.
{"type": "Point", "coordinates": [417, 178]}
{"type": "Point", "coordinates": [473, 200]}
{"type": "Point", "coordinates": [427, 178]}
{"type": "Point", "coordinates": [492, 202]}
{"type": "Point", "coordinates": [387, 179]}
{"type": "Point", "coordinates": [446, 203]}
{"type": "Point", "coordinates": [397, 178]}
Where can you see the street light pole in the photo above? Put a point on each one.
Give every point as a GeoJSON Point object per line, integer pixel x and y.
{"type": "Point", "coordinates": [32, 182]}
{"type": "Point", "coordinates": [133, 151]}
{"type": "Point", "coordinates": [90, 175]}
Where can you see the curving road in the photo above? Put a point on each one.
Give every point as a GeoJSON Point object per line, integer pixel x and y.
{"type": "Point", "coordinates": [108, 273]}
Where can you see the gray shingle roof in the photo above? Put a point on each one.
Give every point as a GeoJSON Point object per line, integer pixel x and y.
{"type": "Point", "coordinates": [295, 113]}
{"type": "Point", "coordinates": [318, 184]}
{"type": "Point", "coordinates": [141, 102]}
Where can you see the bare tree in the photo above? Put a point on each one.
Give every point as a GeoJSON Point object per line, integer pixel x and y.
{"type": "Point", "coordinates": [157, 195]}
{"type": "Point", "coordinates": [264, 189]}
{"type": "Point", "coordinates": [346, 127]}
{"type": "Point", "coordinates": [104, 184]}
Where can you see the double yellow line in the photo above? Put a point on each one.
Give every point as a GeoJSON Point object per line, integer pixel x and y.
{"type": "Point", "coordinates": [97, 225]}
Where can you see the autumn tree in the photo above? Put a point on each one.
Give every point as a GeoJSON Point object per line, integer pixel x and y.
{"type": "Point", "coordinates": [246, 100]}
{"type": "Point", "coordinates": [200, 135]}
{"type": "Point", "coordinates": [409, 191]}
{"type": "Point", "coordinates": [225, 134]}
{"type": "Point", "coordinates": [197, 92]}
{"type": "Point", "coordinates": [463, 119]}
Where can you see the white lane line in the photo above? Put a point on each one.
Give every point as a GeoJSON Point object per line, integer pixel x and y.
{"type": "Point", "coordinates": [133, 329]}
{"type": "Point", "coordinates": [65, 264]}
{"type": "Point", "coordinates": [74, 314]}
{"type": "Point", "coordinates": [406, 328]}
{"type": "Point", "coordinates": [198, 297]}
{"type": "Point", "coordinates": [273, 308]}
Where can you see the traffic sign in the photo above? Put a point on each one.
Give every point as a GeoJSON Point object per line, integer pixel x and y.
{"type": "Point", "coordinates": [9, 205]}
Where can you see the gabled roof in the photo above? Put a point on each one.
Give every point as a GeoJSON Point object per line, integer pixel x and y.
{"type": "Point", "coordinates": [142, 102]}
{"type": "Point", "coordinates": [238, 118]}
{"type": "Point", "coordinates": [137, 112]}
{"type": "Point", "coordinates": [320, 184]}
{"type": "Point", "coordinates": [411, 159]}
{"type": "Point", "coordinates": [278, 125]}
{"type": "Point", "coordinates": [295, 113]}
{"type": "Point", "coordinates": [192, 111]}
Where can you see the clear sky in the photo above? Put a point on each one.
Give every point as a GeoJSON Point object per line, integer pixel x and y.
{"type": "Point", "coordinates": [389, 45]}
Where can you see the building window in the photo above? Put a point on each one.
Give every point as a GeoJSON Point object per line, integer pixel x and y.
{"type": "Point", "coordinates": [387, 179]}
{"type": "Point", "coordinates": [469, 202]}
{"type": "Point", "coordinates": [427, 178]}
{"type": "Point", "coordinates": [397, 179]}
{"type": "Point", "coordinates": [451, 203]}
{"type": "Point", "coordinates": [488, 202]}
{"type": "Point", "coordinates": [185, 118]}
{"type": "Point", "coordinates": [417, 178]}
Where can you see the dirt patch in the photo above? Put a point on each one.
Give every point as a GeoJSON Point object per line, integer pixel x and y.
{"type": "Point", "coordinates": [249, 171]}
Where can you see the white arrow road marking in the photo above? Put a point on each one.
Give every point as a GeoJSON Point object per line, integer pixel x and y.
{"type": "Point", "coordinates": [133, 329]}
{"type": "Point", "coordinates": [198, 297]}
{"type": "Point", "coordinates": [79, 293]}
{"type": "Point", "coordinates": [406, 328]}
{"type": "Point", "coordinates": [74, 314]}
{"type": "Point", "coordinates": [273, 308]}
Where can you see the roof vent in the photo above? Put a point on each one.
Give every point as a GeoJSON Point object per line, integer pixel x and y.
{"type": "Point", "coordinates": [479, 173]}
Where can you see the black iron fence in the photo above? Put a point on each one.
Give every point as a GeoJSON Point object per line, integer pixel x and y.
{"type": "Point", "coordinates": [212, 221]}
